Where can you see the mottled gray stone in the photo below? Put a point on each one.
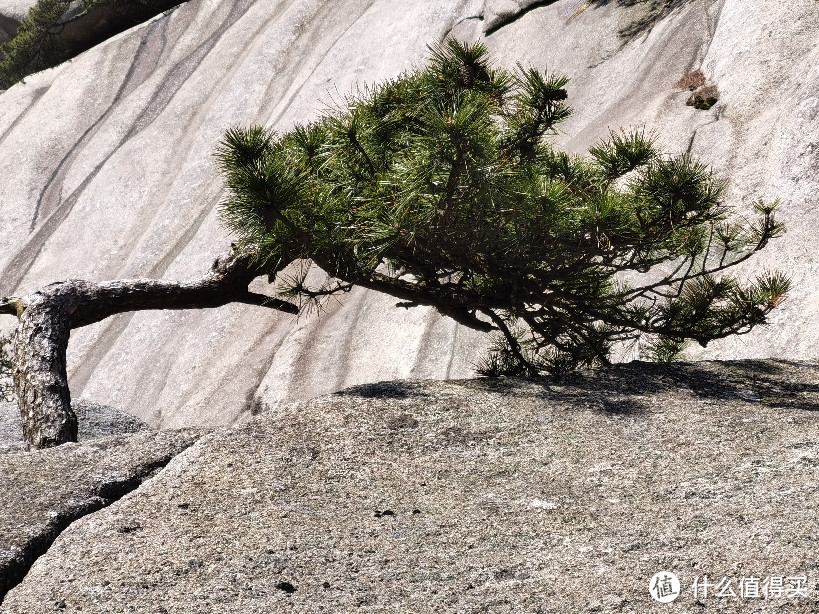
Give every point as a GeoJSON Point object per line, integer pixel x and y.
{"type": "Point", "coordinates": [550, 495]}
{"type": "Point", "coordinates": [44, 491]}
{"type": "Point", "coordinates": [11, 431]}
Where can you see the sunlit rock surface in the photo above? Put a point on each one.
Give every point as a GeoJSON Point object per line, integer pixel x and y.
{"type": "Point", "coordinates": [552, 495]}
{"type": "Point", "coordinates": [108, 172]}
{"type": "Point", "coordinates": [15, 9]}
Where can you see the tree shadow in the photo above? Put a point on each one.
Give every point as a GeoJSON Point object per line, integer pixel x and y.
{"type": "Point", "coordinates": [653, 11]}
{"type": "Point", "coordinates": [385, 390]}
{"type": "Point", "coordinates": [617, 390]}
{"type": "Point", "coordinates": [773, 383]}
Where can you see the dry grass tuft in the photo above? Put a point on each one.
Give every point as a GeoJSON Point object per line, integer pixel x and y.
{"type": "Point", "coordinates": [691, 81]}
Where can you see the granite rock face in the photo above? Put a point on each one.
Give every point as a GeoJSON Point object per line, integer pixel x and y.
{"type": "Point", "coordinates": [45, 491]}
{"type": "Point", "coordinates": [549, 495]}
{"type": "Point", "coordinates": [108, 172]}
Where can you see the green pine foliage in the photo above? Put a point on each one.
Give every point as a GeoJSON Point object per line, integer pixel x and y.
{"type": "Point", "coordinates": [32, 49]}
{"type": "Point", "coordinates": [441, 188]}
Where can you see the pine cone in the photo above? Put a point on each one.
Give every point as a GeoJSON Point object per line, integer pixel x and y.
{"type": "Point", "coordinates": [466, 76]}
{"type": "Point", "coordinates": [556, 95]}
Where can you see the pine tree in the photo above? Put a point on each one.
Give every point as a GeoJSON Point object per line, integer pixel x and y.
{"type": "Point", "coordinates": [441, 188]}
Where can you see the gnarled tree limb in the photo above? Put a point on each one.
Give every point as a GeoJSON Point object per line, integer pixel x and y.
{"type": "Point", "coordinates": [47, 317]}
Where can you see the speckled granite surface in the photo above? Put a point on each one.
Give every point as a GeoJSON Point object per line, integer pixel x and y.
{"type": "Point", "coordinates": [553, 495]}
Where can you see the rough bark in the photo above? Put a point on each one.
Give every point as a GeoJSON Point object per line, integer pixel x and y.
{"type": "Point", "coordinates": [47, 317]}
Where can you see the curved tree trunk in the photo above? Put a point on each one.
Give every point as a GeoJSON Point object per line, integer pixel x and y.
{"type": "Point", "coordinates": [40, 379]}
{"type": "Point", "coordinates": [47, 317]}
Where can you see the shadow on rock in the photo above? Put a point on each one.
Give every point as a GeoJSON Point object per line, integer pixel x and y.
{"type": "Point", "coordinates": [774, 383]}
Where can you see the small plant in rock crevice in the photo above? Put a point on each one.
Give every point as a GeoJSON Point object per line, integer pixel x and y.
{"type": "Point", "coordinates": [703, 98]}
{"type": "Point", "coordinates": [703, 95]}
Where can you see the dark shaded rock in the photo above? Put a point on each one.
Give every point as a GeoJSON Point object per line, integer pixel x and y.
{"type": "Point", "coordinates": [8, 28]}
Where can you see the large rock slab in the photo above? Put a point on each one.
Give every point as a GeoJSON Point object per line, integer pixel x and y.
{"type": "Point", "coordinates": [553, 495]}
{"type": "Point", "coordinates": [108, 172]}
{"type": "Point", "coordinates": [44, 491]}
{"type": "Point", "coordinates": [93, 421]}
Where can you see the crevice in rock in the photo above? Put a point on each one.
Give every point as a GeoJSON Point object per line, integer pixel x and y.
{"type": "Point", "coordinates": [713, 24]}
{"type": "Point", "coordinates": [459, 22]}
{"type": "Point", "coordinates": [717, 114]}
{"type": "Point", "coordinates": [504, 20]}
{"type": "Point", "coordinates": [640, 23]}
{"type": "Point", "coordinates": [14, 568]}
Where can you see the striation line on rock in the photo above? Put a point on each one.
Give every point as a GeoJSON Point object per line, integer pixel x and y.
{"type": "Point", "coordinates": [713, 24]}
{"type": "Point", "coordinates": [25, 257]}
{"type": "Point", "coordinates": [37, 94]}
{"type": "Point", "coordinates": [504, 21]}
{"type": "Point", "coordinates": [283, 105]}
{"type": "Point", "coordinates": [55, 183]}
{"type": "Point", "coordinates": [178, 75]}
{"type": "Point", "coordinates": [115, 327]}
